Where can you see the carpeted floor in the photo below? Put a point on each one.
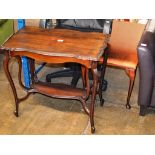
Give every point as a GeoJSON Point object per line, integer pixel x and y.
{"type": "Point", "coordinates": [44, 115]}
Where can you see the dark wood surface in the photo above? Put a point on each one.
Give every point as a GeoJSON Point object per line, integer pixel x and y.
{"type": "Point", "coordinates": [57, 46]}
{"type": "Point", "coordinates": [58, 42]}
{"type": "Point", "coordinates": [65, 91]}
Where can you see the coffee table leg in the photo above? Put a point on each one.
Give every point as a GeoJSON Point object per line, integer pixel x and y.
{"type": "Point", "coordinates": [93, 96]}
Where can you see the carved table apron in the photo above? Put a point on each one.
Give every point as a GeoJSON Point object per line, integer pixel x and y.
{"type": "Point", "coordinates": [57, 46]}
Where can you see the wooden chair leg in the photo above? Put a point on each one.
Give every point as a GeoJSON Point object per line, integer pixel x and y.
{"type": "Point", "coordinates": [131, 73]}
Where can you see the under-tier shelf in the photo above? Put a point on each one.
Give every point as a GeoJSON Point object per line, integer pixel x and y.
{"type": "Point", "coordinates": [59, 90]}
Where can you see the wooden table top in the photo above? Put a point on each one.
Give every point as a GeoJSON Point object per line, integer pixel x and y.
{"type": "Point", "coordinates": [58, 42]}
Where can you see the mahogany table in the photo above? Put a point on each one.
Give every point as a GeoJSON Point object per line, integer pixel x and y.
{"type": "Point", "coordinates": [57, 46]}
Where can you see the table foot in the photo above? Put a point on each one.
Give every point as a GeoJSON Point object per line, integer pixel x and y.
{"type": "Point", "coordinates": [16, 113]}
{"type": "Point", "coordinates": [92, 129]}
{"type": "Point", "coordinates": [128, 106]}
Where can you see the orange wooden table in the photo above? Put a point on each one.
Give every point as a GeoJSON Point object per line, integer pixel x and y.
{"type": "Point", "coordinates": [57, 46]}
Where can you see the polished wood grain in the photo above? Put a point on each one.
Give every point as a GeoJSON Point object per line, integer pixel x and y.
{"type": "Point", "coordinates": [57, 46]}
{"type": "Point", "coordinates": [58, 42]}
{"type": "Point", "coordinates": [65, 91]}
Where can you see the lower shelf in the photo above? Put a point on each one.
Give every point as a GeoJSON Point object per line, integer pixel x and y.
{"type": "Point", "coordinates": [59, 90]}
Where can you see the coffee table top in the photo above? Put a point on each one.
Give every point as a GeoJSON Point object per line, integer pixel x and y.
{"type": "Point", "coordinates": [58, 42]}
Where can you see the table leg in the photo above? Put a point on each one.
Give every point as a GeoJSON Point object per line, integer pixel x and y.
{"type": "Point", "coordinates": [86, 85]}
{"type": "Point", "coordinates": [93, 96]}
{"type": "Point", "coordinates": [6, 69]}
{"type": "Point", "coordinates": [33, 74]}
{"type": "Point", "coordinates": [19, 72]}
{"type": "Point", "coordinates": [7, 72]}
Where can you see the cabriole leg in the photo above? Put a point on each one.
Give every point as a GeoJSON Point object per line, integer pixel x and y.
{"type": "Point", "coordinates": [93, 96]}
{"type": "Point", "coordinates": [6, 69]}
